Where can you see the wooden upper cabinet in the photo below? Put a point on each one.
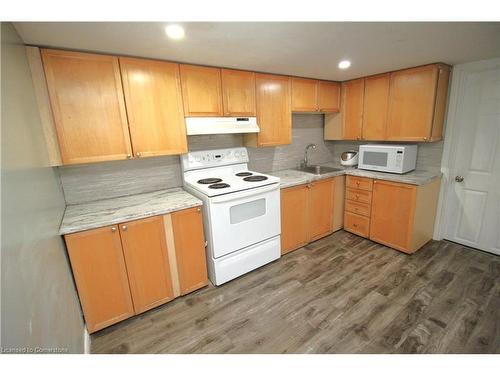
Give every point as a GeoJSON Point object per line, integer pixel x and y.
{"type": "Point", "coordinates": [294, 218]}
{"type": "Point", "coordinates": [320, 209]}
{"type": "Point", "coordinates": [238, 92]}
{"type": "Point", "coordinates": [101, 276]}
{"type": "Point", "coordinates": [304, 95]}
{"type": "Point", "coordinates": [201, 90]}
{"type": "Point", "coordinates": [376, 99]}
{"type": "Point", "coordinates": [310, 95]}
{"type": "Point", "coordinates": [353, 97]}
{"type": "Point", "coordinates": [274, 114]}
{"type": "Point", "coordinates": [393, 205]}
{"type": "Point", "coordinates": [154, 107]}
{"type": "Point", "coordinates": [86, 96]}
{"type": "Point", "coordinates": [416, 106]}
{"type": "Point", "coordinates": [187, 227]}
{"type": "Point", "coordinates": [328, 96]}
{"type": "Point", "coordinates": [145, 250]}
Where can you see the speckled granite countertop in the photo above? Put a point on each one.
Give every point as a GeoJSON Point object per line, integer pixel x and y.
{"type": "Point", "coordinates": [292, 177]}
{"type": "Point", "coordinates": [97, 214]}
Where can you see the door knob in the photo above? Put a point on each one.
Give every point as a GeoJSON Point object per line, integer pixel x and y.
{"type": "Point", "coordinates": [459, 178]}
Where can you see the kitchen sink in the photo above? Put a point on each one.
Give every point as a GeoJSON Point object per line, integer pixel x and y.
{"type": "Point", "coordinates": [318, 169]}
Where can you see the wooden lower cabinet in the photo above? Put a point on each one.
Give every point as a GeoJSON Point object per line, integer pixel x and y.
{"type": "Point", "coordinates": [321, 208]}
{"type": "Point", "coordinates": [357, 224]}
{"type": "Point", "coordinates": [125, 269]}
{"type": "Point", "coordinates": [403, 215]}
{"type": "Point", "coordinates": [101, 276]}
{"type": "Point", "coordinates": [307, 213]}
{"type": "Point", "coordinates": [398, 215]}
{"type": "Point", "coordinates": [294, 218]}
{"type": "Point", "coordinates": [358, 200]}
{"type": "Point", "coordinates": [145, 250]}
{"type": "Point", "coordinates": [189, 240]}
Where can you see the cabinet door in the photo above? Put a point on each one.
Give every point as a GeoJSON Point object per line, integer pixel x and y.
{"type": "Point", "coordinates": [154, 107]}
{"type": "Point", "coordinates": [375, 107]}
{"type": "Point", "coordinates": [201, 90]}
{"type": "Point", "coordinates": [320, 208]}
{"type": "Point", "coordinates": [391, 221]}
{"type": "Point", "coordinates": [304, 95]}
{"type": "Point", "coordinates": [274, 114]}
{"type": "Point", "coordinates": [238, 92]}
{"type": "Point", "coordinates": [328, 96]}
{"type": "Point", "coordinates": [101, 277]}
{"type": "Point", "coordinates": [145, 250]}
{"type": "Point", "coordinates": [187, 226]}
{"type": "Point", "coordinates": [86, 96]}
{"type": "Point", "coordinates": [411, 104]}
{"type": "Point", "coordinates": [353, 96]}
{"type": "Point", "coordinates": [294, 225]}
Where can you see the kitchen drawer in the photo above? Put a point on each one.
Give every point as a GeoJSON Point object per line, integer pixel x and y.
{"type": "Point", "coordinates": [362, 183]}
{"type": "Point", "coordinates": [357, 224]}
{"type": "Point", "coordinates": [358, 208]}
{"type": "Point", "coordinates": [357, 195]}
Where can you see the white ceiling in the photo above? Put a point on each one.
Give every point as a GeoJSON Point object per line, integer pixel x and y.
{"type": "Point", "coordinates": [295, 48]}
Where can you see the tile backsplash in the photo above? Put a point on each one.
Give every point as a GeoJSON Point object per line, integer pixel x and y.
{"type": "Point", "coordinates": [90, 182]}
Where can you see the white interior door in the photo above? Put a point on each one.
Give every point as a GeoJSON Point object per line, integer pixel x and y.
{"type": "Point", "coordinates": [472, 209]}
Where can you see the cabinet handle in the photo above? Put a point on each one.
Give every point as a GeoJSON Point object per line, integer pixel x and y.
{"type": "Point", "coordinates": [355, 225]}
{"type": "Point", "coordinates": [425, 138]}
{"type": "Point", "coordinates": [113, 229]}
{"type": "Point", "coordinates": [124, 227]}
{"type": "Point", "coordinates": [357, 196]}
{"type": "Point", "coordinates": [138, 154]}
{"type": "Point", "coordinates": [198, 209]}
{"type": "Point", "coordinates": [129, 156]}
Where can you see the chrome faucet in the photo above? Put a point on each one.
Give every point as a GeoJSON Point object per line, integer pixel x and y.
{"type": "Point", "coordinates": [305, 161]}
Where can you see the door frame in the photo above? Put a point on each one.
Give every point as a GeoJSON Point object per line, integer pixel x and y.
{"type": "Point", "coordinates": [459, 73]}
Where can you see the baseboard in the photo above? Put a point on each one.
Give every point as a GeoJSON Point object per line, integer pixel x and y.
{"type": "Point", "coordinates": [86, 341]}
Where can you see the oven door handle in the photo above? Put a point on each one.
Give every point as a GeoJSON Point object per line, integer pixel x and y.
{"type": "Point", "coordinates": [244, 194]}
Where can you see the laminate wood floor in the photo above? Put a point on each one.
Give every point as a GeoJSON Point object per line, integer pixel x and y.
{"type": "Point", "coordinates": [341, 294]}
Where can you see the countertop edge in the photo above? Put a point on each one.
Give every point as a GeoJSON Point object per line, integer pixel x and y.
{"type": "Point", "coordinates": [65, 229]}
{"type": "Point", "coordinates": [309, 177]}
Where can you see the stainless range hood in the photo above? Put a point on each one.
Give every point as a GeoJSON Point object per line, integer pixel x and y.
{"type": "Point", "coordinates": [221, 125]}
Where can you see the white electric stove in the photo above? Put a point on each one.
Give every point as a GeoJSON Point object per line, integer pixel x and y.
{"type": "Point", "coordinates": [241, 211]}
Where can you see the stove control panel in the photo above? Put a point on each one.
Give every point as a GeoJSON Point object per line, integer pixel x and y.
{"type": "Point", "coordinates": [212, 158]}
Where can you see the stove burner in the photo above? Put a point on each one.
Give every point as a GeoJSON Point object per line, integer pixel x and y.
{"type": "Point", "coordinates": [207, 181]}
{"type": "Point", "coordinates": [219, 186]}
{"type": "Point", "coordinates": [243, 174]}
{"type": "Point", "coordinates": [255, 178]}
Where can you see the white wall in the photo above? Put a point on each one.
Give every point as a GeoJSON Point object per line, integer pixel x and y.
{"type": "Point", "coordinates": [39, 305]}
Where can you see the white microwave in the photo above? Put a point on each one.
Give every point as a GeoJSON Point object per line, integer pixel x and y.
{"type": "Point", "coordinates": [388, 158]}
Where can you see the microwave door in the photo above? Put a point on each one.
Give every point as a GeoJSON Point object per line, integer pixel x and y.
{"type": "Point", "coordinates": [376, 158]}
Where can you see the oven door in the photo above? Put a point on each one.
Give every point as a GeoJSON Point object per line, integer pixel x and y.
{"type": "Point", "coordinates": [241, 219]}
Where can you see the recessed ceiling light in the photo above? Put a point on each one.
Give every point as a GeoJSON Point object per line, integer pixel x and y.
{"type": "Point", "coordinates": [344, 64]}
{"type": "Point", "coordinates": [174, 31]}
